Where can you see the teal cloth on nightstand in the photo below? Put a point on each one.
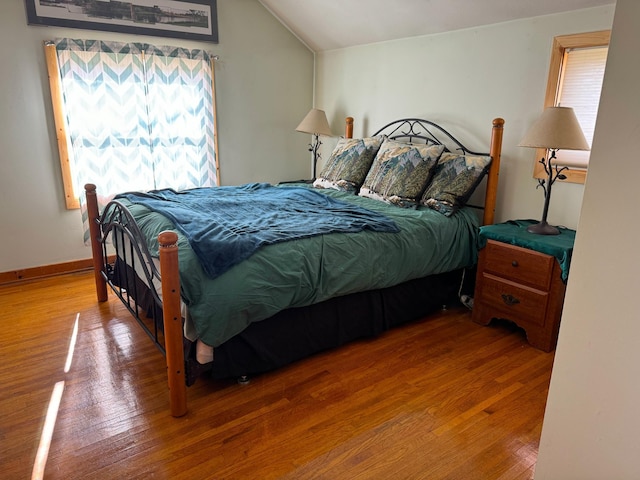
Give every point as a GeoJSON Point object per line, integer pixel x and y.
{"type": "Point", "coordinates": [515, 232]}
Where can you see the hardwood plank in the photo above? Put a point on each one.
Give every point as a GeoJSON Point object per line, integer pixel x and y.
{"type": "Point", "coordinates": [439, 398]}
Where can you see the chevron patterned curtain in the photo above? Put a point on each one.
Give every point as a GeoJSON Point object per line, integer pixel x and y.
{"type": "Point", "coordinates": [139, 117]}
{"type": "Point", "coordinates": [179, 92]}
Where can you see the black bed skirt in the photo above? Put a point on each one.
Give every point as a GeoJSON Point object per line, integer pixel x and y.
{"type": "Point", "coordinates": [297, 333]}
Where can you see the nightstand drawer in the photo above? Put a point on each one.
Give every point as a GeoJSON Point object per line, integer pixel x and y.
{"type": "Point", "coordinates": [519, 264]}
{"type": "Point", "coordinates": [517, 302]}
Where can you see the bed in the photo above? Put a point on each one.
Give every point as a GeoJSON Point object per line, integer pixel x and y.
{"type": "Point", "coordinates": [294, 297]}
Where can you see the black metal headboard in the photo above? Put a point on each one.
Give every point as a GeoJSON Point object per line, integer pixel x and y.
{"type": "Point", "coordinates": [416, 130]}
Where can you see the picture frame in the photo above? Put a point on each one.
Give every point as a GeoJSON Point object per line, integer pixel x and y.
{"type": "Point", "coordinates": [186, 19]}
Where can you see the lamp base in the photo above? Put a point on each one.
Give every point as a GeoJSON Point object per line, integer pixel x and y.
{"type": "Point", "coordinates": [543, 228]}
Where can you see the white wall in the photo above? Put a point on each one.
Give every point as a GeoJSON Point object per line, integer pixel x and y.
{"type": "Point", "coordinates": [463, 79]}
{"type": "Point", "coordinates": [264, 82]}
{"type": "Point", "coordinates": [591, 423]}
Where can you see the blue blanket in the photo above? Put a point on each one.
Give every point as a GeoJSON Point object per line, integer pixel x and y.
{"type": "Point", "coordinates": [225, 225]}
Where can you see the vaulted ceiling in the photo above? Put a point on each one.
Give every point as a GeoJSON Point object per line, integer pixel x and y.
{"type": "Point", "coordinates": [330, 24]}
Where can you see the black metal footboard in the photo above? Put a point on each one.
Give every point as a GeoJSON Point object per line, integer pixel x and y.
{"type": "Point", "coordinates": [132, 275]}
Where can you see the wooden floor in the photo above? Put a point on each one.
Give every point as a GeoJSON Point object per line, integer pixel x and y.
{"type": "Point", "coordinates": [439, 398]}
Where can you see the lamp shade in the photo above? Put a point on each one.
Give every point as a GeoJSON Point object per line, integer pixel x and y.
{"type": "Point", "coordinates": [315, 123]}
{"type": "Point", "coordinates": [557, 128]}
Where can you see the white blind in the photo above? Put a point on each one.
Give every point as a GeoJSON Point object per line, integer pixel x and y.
{"type": "Point", "coordinates": [580, 86]}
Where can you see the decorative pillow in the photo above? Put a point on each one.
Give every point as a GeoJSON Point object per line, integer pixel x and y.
{"type": "Point", "coordinates": [400, 172]}
{"type": "Point", "coordinates": [455, 179]}
{"type": "Point", "coordinates": [349, 163]}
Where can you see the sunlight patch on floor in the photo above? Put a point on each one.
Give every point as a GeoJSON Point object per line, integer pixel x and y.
{"type": "Point", "coordinates": [52, 411]}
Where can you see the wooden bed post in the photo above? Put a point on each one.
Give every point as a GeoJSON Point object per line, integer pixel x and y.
{"type": "Point", "coordinates": [96, 246]}
{"type": "Point", "coordinates": [494, 171]}
{"type": "Point", "coordinates": [348, 128]}
{"type": "Point", "coordinates": [172, 322]}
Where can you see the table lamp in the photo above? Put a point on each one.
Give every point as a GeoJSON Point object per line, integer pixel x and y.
{"type": "Point", "coordinates": [316, 124]}
{"type": "Point", "coordinates": [556, 129]}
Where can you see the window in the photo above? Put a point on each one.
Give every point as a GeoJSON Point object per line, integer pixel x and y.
{"type": "Point", "coordinates": [575, 80]}
{"type": "Point", "coordinates": [132, 116]}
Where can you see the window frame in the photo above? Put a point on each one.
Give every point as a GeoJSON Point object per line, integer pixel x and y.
{"type": "Point", "coordinates": [561, 44]}
{"type": "Point", "coordinates": [61, 125]}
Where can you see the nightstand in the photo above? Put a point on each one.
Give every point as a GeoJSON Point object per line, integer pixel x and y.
{"type": "Point", "coordinates": [522, 277]}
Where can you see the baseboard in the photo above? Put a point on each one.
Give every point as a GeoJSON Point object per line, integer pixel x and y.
{"type": "Point", "coordinates": [45, 271]}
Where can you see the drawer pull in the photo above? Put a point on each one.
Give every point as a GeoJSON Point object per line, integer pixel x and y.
{"type": "Point", "coordinates": [509, 299]}
{"type": "Point", "coordinates": [514, 263]}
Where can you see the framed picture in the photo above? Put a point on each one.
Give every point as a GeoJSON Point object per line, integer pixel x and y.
{"type": "Point", "coordinates": [188, 19]}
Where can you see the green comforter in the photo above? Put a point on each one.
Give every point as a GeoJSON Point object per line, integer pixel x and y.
{"type": "Point", "coordinates": [302, 272]}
